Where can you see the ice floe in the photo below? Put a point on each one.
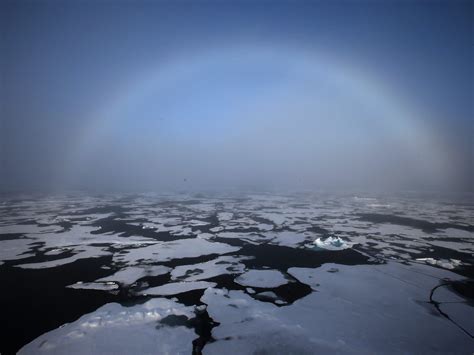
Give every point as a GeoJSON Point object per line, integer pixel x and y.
{"type": "Point", "coordinates": [102, 286]}
{"type": "Point", "coordinates": [267, 295]}
{"type": "Point", "coordinates": [28, 229]}
{"type": "Point", "coordinates": [288, 238]}
{"type": "Point", "coordinates": [225, 216]}
{"type": "Point", "coordinates": [129, 275]}
{"type": "Point", "coordinates": [261, 278]}
{"type": "Point", "coordinates": [115, 329]}
{"type": "Point", "coordinates": [15, 249]}
{"type": "Point", "coordinates": [81, 253]}
{"type": "Point", "coordinates": [166, 251]}
{"type": "Point", "coordinates": [175, 288]}
{"type": "Point", "coordinates": [205, 270]}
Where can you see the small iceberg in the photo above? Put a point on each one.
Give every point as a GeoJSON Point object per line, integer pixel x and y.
{"type": "Point", "coordinates": [331, 243]}
{"type": "Point", "coordinates": [446, 264]}
{"type": "Point", "coordinates": [201, 309]}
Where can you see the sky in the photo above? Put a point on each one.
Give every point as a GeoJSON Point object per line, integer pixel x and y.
{"type": "Point", "coordinates": [160, 95]}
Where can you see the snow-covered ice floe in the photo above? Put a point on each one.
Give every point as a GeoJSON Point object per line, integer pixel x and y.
{"type": "Point", "coordinates": [115, 329]}
{"type": "Point", "coordinates": [261, 278]}
{"type": "Point", "coordinates": [200, 271]}
{"type": "Point", "coordinates": [129, 275]}
{"type": "Point", "coordinates": [175, 288]}
{"type": "Point", "coordinates": [166, 251]}
{"type": "Point", "coordinates": [103, 286]}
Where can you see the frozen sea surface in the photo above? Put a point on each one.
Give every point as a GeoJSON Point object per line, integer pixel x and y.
{"type": "Point", "coordinates": [237, 273]}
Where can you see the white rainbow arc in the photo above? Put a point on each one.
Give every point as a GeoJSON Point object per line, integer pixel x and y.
{"type": "Point", "coordinates": [404, 121]}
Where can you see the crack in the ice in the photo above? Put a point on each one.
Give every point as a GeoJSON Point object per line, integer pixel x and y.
{"type": "Point", "coordinates": [437, 304]}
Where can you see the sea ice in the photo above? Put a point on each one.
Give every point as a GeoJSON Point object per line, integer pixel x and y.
{"type": "Point", "coordinates": [15, 249]}
{"type": "Point", "coordinates": [175, 288]}
{"type": "Point", "coordinates": [102, 286]}
{"type": "Point", "coordinates": [129, 275]}
{"type": "Point", "coordinates": [287, 238]}
{"type": "Point", "coordinates": [447, 264]}
{"type": "Point", "coordinates": [360, 309]}
{"type": "Point", "coordinates": [85, 252]}
{"type": "Point", "coordinates": [261, 278]}
{"type": "Point", "coordinates": [166, 251]}
{"type": "Point", "coordinates": [119, 330]}
{"type": "Point", "coordinates": [201, 271]}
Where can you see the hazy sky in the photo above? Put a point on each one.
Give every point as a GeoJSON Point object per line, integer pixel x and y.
{"type": "Point", "coordinates": [150, 95]}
